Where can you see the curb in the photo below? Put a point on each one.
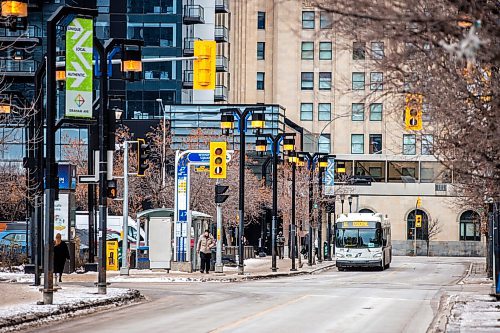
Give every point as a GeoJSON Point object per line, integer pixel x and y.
{"type": "Point", "coordinates": [288, 274]}
{"type": "Point", "coordinates": [64, 311]}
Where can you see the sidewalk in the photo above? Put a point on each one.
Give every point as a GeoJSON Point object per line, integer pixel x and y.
{"type": "Point", "coordinates": [258, 268]}
{"type": "Point", "coordinates": [473, 309]}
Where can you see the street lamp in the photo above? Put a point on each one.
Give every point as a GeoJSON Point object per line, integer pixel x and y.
{"type": "Point", "coordinates": [288, 146]}
{"type": "Point", "coordinates": [350, 203]}
{"type": "Point", "coordinates": [227, 125]}
{"type": "Point", "coordinates": [16, 13]}
{"type": "Point", "coordinates": [342, 200]}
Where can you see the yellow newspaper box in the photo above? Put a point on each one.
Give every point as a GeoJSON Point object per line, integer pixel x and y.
{"type": "Point", "coordinates": [112, 255]}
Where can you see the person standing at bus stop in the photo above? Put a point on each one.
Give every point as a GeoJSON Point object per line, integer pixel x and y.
{"type": "Point", "coordinates": [205, 244]}
{"type": "Point", "coordinates": [61, 253]}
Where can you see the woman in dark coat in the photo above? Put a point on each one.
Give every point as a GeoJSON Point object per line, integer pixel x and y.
{"type": "Point", "coordinates": [61, 253]}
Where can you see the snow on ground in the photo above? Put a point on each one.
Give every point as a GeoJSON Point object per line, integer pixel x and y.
{"type": "Point", "coordinates": [478, 312]}
{"type": "Point", "coordinates": [16, 277]}
{"type": "Point", "coordinates": [156, 279]}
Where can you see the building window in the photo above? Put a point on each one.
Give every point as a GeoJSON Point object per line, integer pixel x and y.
{"type": "Point", "coordinates": [357, 144]}
{"type": "Point", "coordinates": [261, 20]}
{"type": "Point", "coordinates": [377, 50]}
{"type": "Point", "coordinates": [358, 112]}
{"type": "Point", "coordinates": [261, 50]}
{"type": "Point", "coordinates": [422, 232]}
{"type": "Point", "coordinates": [375, 143]}
{"type": "Point", "coordinates": [324, 143]}
{"type": "Point", "coordinates": [324, 111]}
{"type": "Point", "coordinates": [307, 20]}
{"type": "Point", "coordinates": [260, 80]}
{"type": "Point", "coordinates": [409, 144]}
{"type": "Point", "coordinates": [307, 52]}
{"type": "Point", "coordinates": [325, 81]}
{"type": "Point", "coordinates": [307, 81]}
{"type": "Point", "coordinates": [470, 226]}
{"type": "Point", "coordinates": [325, 51]}
{"type": "Point", "coordinates": [325, 20]}
{"type": "Point", "coordinates": [358, 51]}
{"type": "Point", "coordinates": [376, 81]}
{"type": "Point", "coordinates": [427, 144]}
{"type": "Point", "coordinates": [358, 81]}
{"type": "Point", "coordinates": [306, 111]}
{"type": "Point", "coordinates": [376, 111]}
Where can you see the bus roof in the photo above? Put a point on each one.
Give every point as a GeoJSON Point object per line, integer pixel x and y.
{"type": "Point", "coordinates": [375, 217]}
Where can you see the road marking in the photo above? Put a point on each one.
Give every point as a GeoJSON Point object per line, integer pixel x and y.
{"type": "Point", "coordinates": [256, 315]}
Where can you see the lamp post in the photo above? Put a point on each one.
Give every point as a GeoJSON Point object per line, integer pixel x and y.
{"type": "Point", "coordinates": [349, 199]}
{"type": "Point", "coordinates": [51, 179]}
{"type": "Point", "coordinates": [131, 66]}
{"type": "Point", "coordinates": [164, 142]}
{"type": "Point", "coordinates": [311, 161]}
{"type": "Point", "coordinates": [342, 199]}
{"type": "Point", "coordinates": [227, 125]}
{"type": "Point", "coordinates": [322, 165]}
{"type": "Point", "coordinates": [288, 146]}
{"type": "Point", "coordinates": [293, 231]}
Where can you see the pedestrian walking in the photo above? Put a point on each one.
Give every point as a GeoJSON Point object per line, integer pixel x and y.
{"type": "Point", "coordinates": [205, 244]}
{"type": "Point", "coordinates": [61, 254]}
{"type": "Point", "coordinates": [281, 244]}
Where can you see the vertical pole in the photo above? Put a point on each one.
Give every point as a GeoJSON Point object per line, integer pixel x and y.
{"type": "Point", "coordinates": [90, 191]}
{"type": "Point", "coordinates": [331, 208]}
{"type": "Point", "coordinates": [218, 256]}
{"type": "Point", "coordinates": [50, 168]}
{"type": "Point", "coordinates": [293, 234]}
{"type": "Point", "coordinates": [241, 198]}
{"type": "Point", "coordinates": [310, 240]}
{"type": "Point", "coordinates": [320, 217]}
{"type": "Point", "coordinates": [415, 233]}
{"type": "Point", "coordinates": [496, 223]}
{"type": "Point", "coordinates": [101, 283]}
{"type": "Point", "coordinates": [164, 152]}
{"type": "Point", "coordinates": [274, 149]}
{"type": "Point", "coordinates": [124, 270]}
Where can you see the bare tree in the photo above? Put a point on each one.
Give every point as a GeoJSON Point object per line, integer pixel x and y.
{"type": "Point", "coordinates": [433, 229]}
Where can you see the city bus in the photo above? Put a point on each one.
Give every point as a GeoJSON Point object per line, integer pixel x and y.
{"type": "Point", "coordinates": [363, 240]}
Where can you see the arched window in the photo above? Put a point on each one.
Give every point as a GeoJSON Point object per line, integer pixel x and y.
{"type": "Point", "coordinates": [470, 226]}
{"type": "Point", "coordinates": [366, 210]}
{"type": "Point", "coordinates": [422, 232]}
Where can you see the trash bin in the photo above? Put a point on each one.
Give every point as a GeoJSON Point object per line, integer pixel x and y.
{"type": "Point", "coordinates": [143, 257]}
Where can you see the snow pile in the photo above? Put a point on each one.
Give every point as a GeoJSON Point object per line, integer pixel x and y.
{"type": "Point", "coordinates": [166, 279]}
{"type": "Point", "coordinates": [477, 312]}
{"type": "Point", "coordinates": [68, 301]}
{"type": "Point", "coordinates": [16, 277]}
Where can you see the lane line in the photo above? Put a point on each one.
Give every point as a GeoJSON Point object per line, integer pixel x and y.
{"type": "Point", "coordinates": [256, 315]}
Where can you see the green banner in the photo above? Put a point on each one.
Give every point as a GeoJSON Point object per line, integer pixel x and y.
{"type": "Point", "coordinates": [79, 74]}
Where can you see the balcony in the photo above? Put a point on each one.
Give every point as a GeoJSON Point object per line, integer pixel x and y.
{"type": "Point", "coordinates": [222, 64]}
{"type": "Point", "coordinates": [188, 49]}
{"type": "Point", "coordinates": [221, 93]}
{"type": "Point", "coordinates": [30, 36]}
{"type": "Point", "coordinates": [193, 14]}
{"type": "Point", "coordinates": [222, 6]}
{"type": "Point", "coordinates": [18, 70]}
{"type": "Point", "coordinates": [187, 79]}
{"type": "Point", "coordinates": [221, 34]}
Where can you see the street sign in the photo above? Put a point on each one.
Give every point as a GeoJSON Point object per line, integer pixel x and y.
{"type": "Point", "coordinates": [418, 222]}
{"type": "Point", "coordinates": [79, 57]}
{"type": "Point", "coordinates": [202, 168]}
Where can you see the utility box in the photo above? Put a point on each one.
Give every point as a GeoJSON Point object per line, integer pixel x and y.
{"type": "Point", "coordinates": [160, 242]}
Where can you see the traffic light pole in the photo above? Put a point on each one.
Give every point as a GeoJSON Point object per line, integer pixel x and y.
{"type": "Point", "coordinates": [293, 233]}
{"type": "Point", "coordinates": [124, 270]}
{"type": "Point", "coordinates": [218, 256]}
{"type": "Point", "coordinates": [415, 234]}
{"type": "Point", "coordinates": [320, 216]}
{"type": "Point", "coordinates": [241, 194]}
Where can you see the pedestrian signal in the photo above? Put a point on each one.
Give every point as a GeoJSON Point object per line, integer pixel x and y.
{"type": "Point", "coordinates": [413, 112]}
{"type": "Point", "coordinates": [218, 163]}
{"type": "Point", "coordinates": [112, 190]}
{"type": "Point", "coordinates": [220, 197]}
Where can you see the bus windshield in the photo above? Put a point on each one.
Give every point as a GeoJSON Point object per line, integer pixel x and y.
{"type": "Point", "coordinates": [358, 238]}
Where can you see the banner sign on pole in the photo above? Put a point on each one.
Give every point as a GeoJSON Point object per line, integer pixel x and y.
{"type": "Point", "coordinates": [79, 56]}
{"type": "Point", "coordinates": [330, 177]}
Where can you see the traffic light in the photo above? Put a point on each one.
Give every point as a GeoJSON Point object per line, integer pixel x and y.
{"type": "Point", "coordinates": [419, 202]}
{"type": "Point", "coordinates": [220, 197]}
{"type": "Point", "coordinates": [204, 65]}
{"type": "Point", "coordinates": [143, 154]}
{"type": "Point", "coordinates": [218, 160]}
{"type": "Point", "coordinates": [418, 221]}
{"type": "Point", "coordinates": [413, 112]}
{"type": "Point", "coordinates": [112, 190]}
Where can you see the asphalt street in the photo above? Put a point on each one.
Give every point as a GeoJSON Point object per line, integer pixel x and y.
{"type": "Point", "coordinates": [403, 298]}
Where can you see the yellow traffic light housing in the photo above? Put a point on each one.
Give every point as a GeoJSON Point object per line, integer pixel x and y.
{"type": "Point", "coordinates": [204, 65]}
{"type": "Point", "coordinates": [418, 221]}
{"type": "Point", "coordinates": [419, 202]}
{"type": "Point", "coordinates": [413, 112]}
{"type": "Point", "coordinates": [218, 163]}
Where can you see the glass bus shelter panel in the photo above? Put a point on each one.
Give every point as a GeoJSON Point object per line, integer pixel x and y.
{"type": "Point", "coordinates": [403, 172]}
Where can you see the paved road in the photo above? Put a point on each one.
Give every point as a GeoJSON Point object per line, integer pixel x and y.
{"type": "Point", "coordinates": [403, 298]}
